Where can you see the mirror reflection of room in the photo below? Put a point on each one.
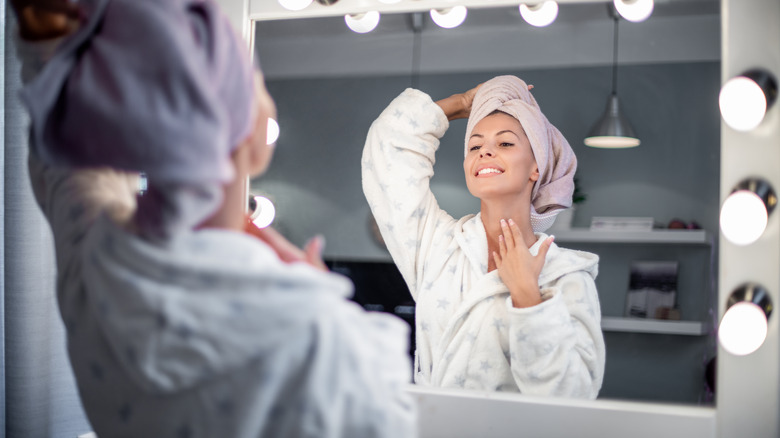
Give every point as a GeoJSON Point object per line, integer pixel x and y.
{"type": "Point", "coordinates": [655, 205]}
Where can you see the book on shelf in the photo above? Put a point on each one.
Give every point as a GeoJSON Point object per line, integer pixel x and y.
{"type": "Point", "coordinates": [605, 223]}
{"type": "Point", "coordinates": [652, 290]}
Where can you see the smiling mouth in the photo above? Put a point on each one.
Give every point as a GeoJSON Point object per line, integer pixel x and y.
{"type": "Point", "coordinates": [489, 171]}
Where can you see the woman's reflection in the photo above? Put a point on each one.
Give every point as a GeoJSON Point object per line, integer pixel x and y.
{"type": "Point", "coordinates": [499, 305]}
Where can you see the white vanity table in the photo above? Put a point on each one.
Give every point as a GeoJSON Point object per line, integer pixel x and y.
{"type": "Point", "coordinates": [748, 403]}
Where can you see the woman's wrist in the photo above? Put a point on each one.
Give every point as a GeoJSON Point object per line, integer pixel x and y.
{"type": "Point", "coordinates": [526, 297]}
{"type": "Point", "coordinates": [453, 107]}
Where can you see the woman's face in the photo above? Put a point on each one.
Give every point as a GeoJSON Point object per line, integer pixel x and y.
{"type": "Point", "coordinates": [499, 159]}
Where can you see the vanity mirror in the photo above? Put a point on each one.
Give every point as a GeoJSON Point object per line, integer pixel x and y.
{"type": "Point", "coordinates": [330, 84]}
{"type": "Point", "coordinates": [332, 204]}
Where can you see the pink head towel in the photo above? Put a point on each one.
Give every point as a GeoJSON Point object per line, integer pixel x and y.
{"type": "Point", "coordinates": [555, 158]}
{"type": "Point", "coordinates": [162, 87]}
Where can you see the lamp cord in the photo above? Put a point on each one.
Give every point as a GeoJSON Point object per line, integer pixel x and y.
{"type": "Point", "coordinates": [416, 53]}
{"type": "Point", "coordinates": [614, 57]}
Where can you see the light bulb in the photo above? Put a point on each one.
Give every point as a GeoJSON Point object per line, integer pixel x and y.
{"type": "Point", "coordinates": [264, 212]}
{"type": "Point", "coordinates": [743, 328]}
{"type": "Point", "coordinates": [295, 5]}
{"type": "Point", "coordinates": [540, 14]}
{"type": "Point", "coordinates": [634, 10]}
{"type": "Point", "coordinates": [272, 131]}
{"type": "Point", "coordinates": [742, 103]}
{"type": "Point", "coordinates": [743, 217]}
{"type": "Point", "coordinates": [609, 142]}
{"type": "Point", "coordinates": [450, 17]}
{"type": "Point", "coordinates": [362, 23]}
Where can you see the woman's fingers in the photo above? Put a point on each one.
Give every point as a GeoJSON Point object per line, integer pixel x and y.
{"type": "Point", "coordinates": [508, 236]}
{"type": "Point", "coordinates": [541, 256]}
{"type": "Point", "coordinates": [501, 246]}
{"type": "Point", "coordinates": [313, 250]}
{"type": "Point", "coordinates": [515, 230]}
{"type": "Point", "coordinates": [497, 259]}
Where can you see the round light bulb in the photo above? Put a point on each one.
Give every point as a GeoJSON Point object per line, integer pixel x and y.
{"type": "Point", "coordinates": [742, 103]}
{"type": "Point", "coordinates": [634, 10]}
{"type": "Point", "coordinates": [743, 328]}
{"type": "Point", "coordinates": [295, 5]}
{"type": "Point", "coordinates": [541, 14]}
{"type": "Point", "coordinates": [743, 217]}
{"type": "Point", "coordinates": [272, 131]}
{"type": "Point", "coordinates": [264, 213]}
{"type": "Point", "coordinates": [450, 17]}
{"type": "Point", "coordinates": [362, 23]}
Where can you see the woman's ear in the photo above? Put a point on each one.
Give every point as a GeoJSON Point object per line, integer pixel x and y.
{"type": "Point", "coordinates": [535, 173]}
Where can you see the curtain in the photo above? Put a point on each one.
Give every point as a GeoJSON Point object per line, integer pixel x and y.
{"type": "Point", "coordinates": [38, 394]}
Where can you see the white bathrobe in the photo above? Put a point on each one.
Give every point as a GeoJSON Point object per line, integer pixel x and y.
{"type": "Point", "coordinates": [468, 333]}
{"type": "Point", "coordinates": [211, 335]}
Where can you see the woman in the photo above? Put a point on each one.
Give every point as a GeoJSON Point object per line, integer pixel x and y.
{"type": "Point", "coordinates": [499, 305]}
{"type": "Point", "coordinates": [182, 319]}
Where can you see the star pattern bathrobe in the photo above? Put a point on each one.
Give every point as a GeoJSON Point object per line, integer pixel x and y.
{"type": "Point", "coordinates": [468, 334]}
{"type": "Point", "coordinates": [210, 335]}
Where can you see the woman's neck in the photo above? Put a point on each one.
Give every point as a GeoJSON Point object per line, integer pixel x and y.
{"type": "Point", "coordinates": [492, 211]}
{"type": "Point", "coordinates": [232, 213]}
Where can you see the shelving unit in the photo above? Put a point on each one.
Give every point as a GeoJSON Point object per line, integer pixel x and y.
{"type": "Point", "coordinates": [635, 325]}
{"type": "Point", "coordinates": [585, 235]}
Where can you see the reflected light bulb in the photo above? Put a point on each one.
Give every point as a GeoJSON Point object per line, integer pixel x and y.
{"type": "Point", "coordinates": [295, 5]}
{"type": "Point", "coordinates": [634, 10]}
{"type": "Point", "coordinates": [264, 213]}
{"type": "Point", "coordinates": [742, 103]}
{"type": "Point", "coordinates": [272, 131]}
{"type": "Point", "coordinates": [362, 23]}
{"type": "Point", "coordinates": [540, 15]}
{"type": "Point", "coordinates": [450, 17]}
{"type": "Point", "coordinates": [743, 217]}
{"type": "Point", "coordinates": [743, 328]}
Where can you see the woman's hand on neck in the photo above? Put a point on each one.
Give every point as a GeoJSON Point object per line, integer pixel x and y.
{"type": "Point", "coordinates": [493, 211]}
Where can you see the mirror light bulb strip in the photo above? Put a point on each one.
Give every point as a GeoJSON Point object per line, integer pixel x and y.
{"type": "Point", "coordinates": [272, 132]}
{"type": "Point", "coordinates": [295, 5]}
{"type": "Point", "coordinates": [745, 99]}
{"type": "Point", "coordinates": [264, 212]}
{"type": "Point", "coordinates": [362, 23]}
{"type": "Point", "coordinates": [745, 212]}
{"type": "Point", "coordinates": [450, 17]}
{"type": "Point", "coordinates": [634, 10]}
{"type": "Point", "coordinates": [540, 14]}
{"type": "Point", "coordinates": [744, 326]}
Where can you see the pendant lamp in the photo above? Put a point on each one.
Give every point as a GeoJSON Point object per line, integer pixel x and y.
{"type": "Point", "coordinates": [613, 130]}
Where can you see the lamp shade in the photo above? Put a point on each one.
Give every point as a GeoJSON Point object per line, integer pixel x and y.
{"type": "Point", "coordinates": [612, 130]}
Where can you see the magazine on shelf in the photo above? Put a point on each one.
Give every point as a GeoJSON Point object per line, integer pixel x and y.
{"type": "Point", "coordinates": [652, 290]}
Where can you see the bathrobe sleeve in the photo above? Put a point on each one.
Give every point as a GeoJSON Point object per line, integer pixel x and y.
{"type": "Point", "coordinates": [557, 347]}
{"type": "Point", "coordinates": [397, 166]}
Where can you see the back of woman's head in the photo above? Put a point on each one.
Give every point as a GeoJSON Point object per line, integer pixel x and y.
{"type": "Point", "coordinates": [155, 86]}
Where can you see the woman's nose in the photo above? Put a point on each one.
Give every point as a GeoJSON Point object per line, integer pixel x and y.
{"type": "Point", "coordinates": [486, 151]}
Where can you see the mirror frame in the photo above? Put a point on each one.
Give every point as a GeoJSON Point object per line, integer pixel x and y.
{"type": "Point", "coordinates": [748, 399]}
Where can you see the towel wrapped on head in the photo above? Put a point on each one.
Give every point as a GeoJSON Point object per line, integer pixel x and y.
{"type": "Point", "coordinates": [554, 157]}
{"type": "Point", "coordinates": [155, 86]}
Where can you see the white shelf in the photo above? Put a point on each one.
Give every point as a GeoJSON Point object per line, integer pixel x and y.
{"type": "Point", "coordinates": [585, 235]}
{"type": "Point", "coordinates": [636, 325]}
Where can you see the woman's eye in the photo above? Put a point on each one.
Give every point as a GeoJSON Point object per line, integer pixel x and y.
{"type": "Point", "coordinates": [474, 148]}
{"type": "Point", "coordinates": [506, 144]}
